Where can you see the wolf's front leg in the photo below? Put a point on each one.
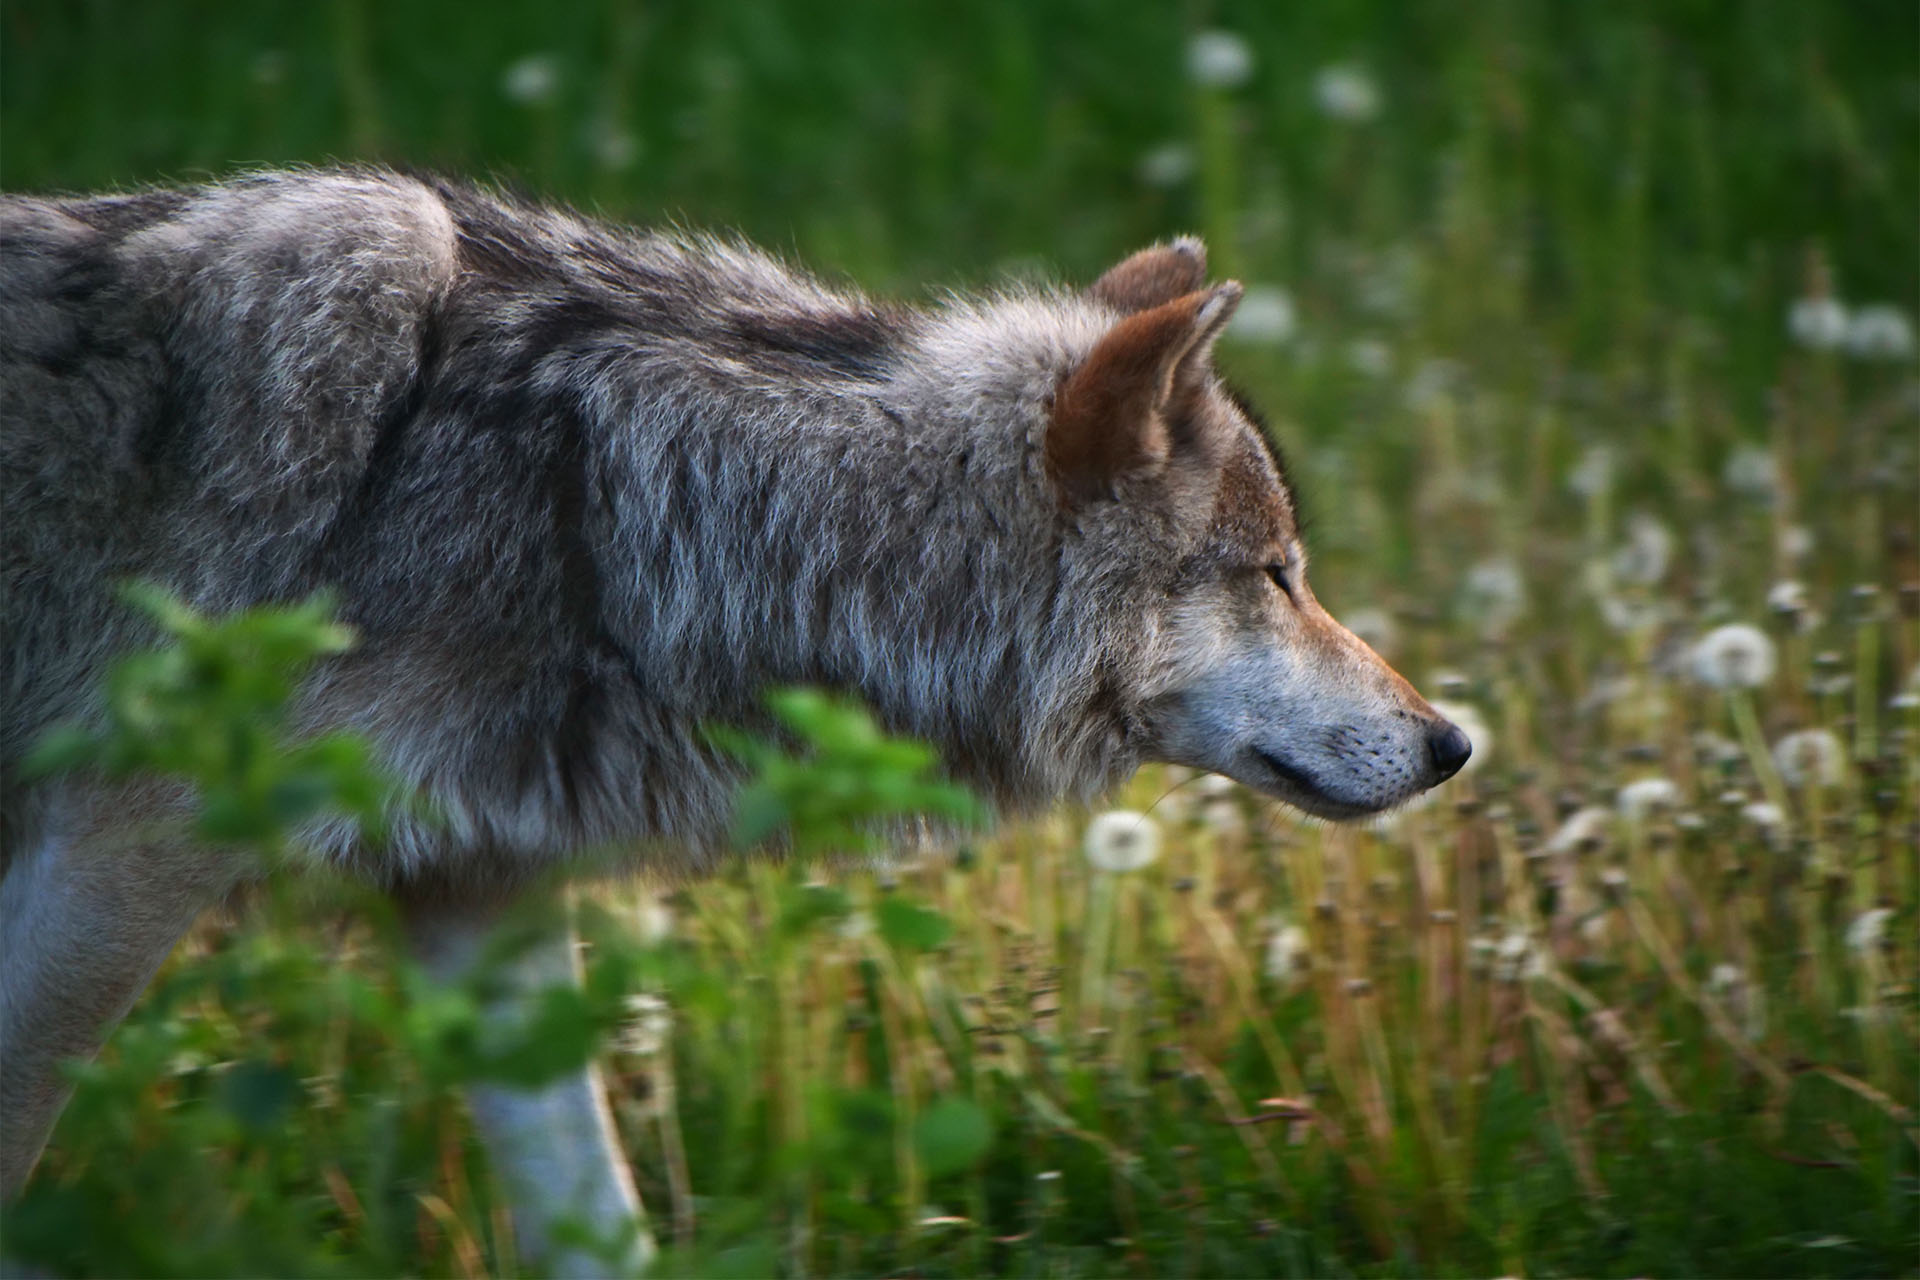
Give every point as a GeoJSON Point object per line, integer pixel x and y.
{"type": "Point", "coordinates": [553, 1147]}
{"type": "Point", "coordinates": [87, 913]}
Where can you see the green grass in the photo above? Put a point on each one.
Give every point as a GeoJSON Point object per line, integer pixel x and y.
{"type": "Point", "coordinates": [1572, 230]}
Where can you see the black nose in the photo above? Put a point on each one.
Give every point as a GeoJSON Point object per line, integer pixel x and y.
{"type": "Point", "coordinates": [1450, 750]}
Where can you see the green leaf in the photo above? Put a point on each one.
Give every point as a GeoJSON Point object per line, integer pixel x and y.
{"type": "Point", "coordinates": [256, 1093]}
{"type": "Point", "coordinates": [951, 1135]}
{"type": "Point", "coordinates": [909, 925]}
{"type": "Point", "coordinates": [61, 750]}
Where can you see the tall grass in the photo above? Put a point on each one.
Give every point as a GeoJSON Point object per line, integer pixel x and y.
{"type": "Point", "coordinates": [1544, 403]}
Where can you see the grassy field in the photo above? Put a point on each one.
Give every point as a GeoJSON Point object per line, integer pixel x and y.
{"type": "Point", "coordinates": [1588, 330]}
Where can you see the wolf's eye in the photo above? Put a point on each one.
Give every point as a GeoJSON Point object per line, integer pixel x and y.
{"type": "Point", "coordinates": [1281, 579]}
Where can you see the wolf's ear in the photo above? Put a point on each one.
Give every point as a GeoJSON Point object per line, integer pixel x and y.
{"type": "Point", "coordinates": [1116, 414]}
{"type": "Point", "coordinates": [1153, 277]}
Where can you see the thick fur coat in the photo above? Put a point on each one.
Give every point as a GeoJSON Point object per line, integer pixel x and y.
{"type": "Point", "coordinates": [585, 492]}
{"type": "Point", "coordinates": [580, 490]}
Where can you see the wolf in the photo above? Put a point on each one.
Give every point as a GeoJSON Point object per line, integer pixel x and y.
{"type": "Point", "coordinates": [582, 491]}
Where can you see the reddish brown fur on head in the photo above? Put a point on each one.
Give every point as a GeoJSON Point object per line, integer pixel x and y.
{"type": "Point", "coordinates": [1111, 417]}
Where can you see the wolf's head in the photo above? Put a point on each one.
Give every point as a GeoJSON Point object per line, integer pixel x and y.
{"type": "Point", "coordinates": [1250, 677]}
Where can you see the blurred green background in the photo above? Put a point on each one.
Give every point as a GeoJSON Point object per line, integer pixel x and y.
{"type": "Point", "coordinates": [1540, 191]}
{"type": "Point", "coordinates": [1588, 328]}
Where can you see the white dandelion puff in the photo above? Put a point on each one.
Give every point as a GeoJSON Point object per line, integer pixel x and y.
{"type": "Point", "coordinates": [1909, 696]}
{"type": "Point", "coordinates": [644, 1029]}
{"type": "Point", "coordinates": [1787, 596]}
{"type": "Point", "coordinates": [1796, 542]}
{"type": "Point", "coordinates": [1515, 957]}
{"type": "Point", "coordinates": [532, 80]}
{"type": "Point", "coordinates": [1593, 474]}
{"type": "Point", "coordinates": [1641, 799]}
{"type": "Point", "coordinates": [1751, 472]}
{"type": "Point", "coordinates": [1766, 816]}
{"type": "Point", "coordinates": [1735, 656]}
{"type": "Point", "coordinates": [1369, 357]}
{"type": "Point", "coordinates": [1879, 332]}
{"type": "Point", "coordinates": [1219, 60]}
{"type": "Point", "coordinates": [1287, 953]}
{"type": "Point", "coordinates": [1495, 594]}
{"type": "Point", "coordinates": [1120, 841]}
{"type": "Point", "coordinates": [1216, 786]}
{"type": "Point", "coordinates": [1346, 92]}
{"type": "Point", "coordinates": [614, 149]}
{"type": "Point", "coordinates": [1811, 758]}
{"type": "Point", "coordinates": [1819, 324]}
{"type": "Point", "coordinates": [1585, 830]}
{"type": "Point", "coordinates": [1647, 553]}
{"type": "Point", "coordinates": [1169, 165]}
{"type": "Point", "coordinates": [1712, 748]}
{"type": "Point", "coordinates": [1868, 930]}
{"type": "Point", "coordinates": [1435, 384]}
{"type": "Point", "coordinates": [653, 920]}
{"type": "Point", "coordinates": [1266, 317]}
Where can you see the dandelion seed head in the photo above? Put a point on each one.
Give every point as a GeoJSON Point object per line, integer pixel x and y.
{"type": "Point", "coordinates": [1120, 841]}
{"type": "Point", "coordinates": [1593, 474]}
{"type": "Point", "coordinates": [1787, 596]}
{"type": "Point", "coordinates": [644, 1029]}
{"type": "Point", "coordinates": [614, 149]}
{"type": "Point", "coordinates": [1879, 332]}
{"type": "Point", "coordinates": [1648, 551]}
{"type": "Point", "coordinates": [1866, 931]}
{"type": "Point", "coordinates": [1215, 786]}
{"type": "Point", "coordinates": [1219, 60]}
{"type": "Point", "coordinates": [1819, 324]}
{"type": "Point", "coordinates": [1514, 957]}
{"type": "Point", "coordinates": [1168, 165]}
{"type": "Point", "coordinates": [1369, 357]}
{"type": "Point", "coordinates": [1735, 656]}
{"type": "Point", "coordinates": [1712, 748]}
{"type": "Point", "coordinates": [1751, 472]}
{"type": "Point", "coordinates": [1495, 593]}
{"type": "Point", "coordinates": [1287, 954]}
{"type": "Point", "coordinates": [1764, 815]}
{"type": "Point", "coordinates": [1434, 384]}
{"type": "Point", "coordinates": [532, 80]}
{"type": "Point", "coordinates": [1811, 758]}
{"type": "Point", "coordinates": [1644, 797]}
{"type": "Point", "coordinates": [1265, 318]}
{"type": "Point", "coordinates": [1587, 828]}
{"type": "Point", "coordinates": [653, 920]}
{"type": "Point", "coordinates": [1346, 92]}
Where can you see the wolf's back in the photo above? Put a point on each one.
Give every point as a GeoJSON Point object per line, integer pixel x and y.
{"type": "Point", "coordinates": [190, 385]}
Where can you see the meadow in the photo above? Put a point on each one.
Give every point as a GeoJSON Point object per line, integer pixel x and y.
{"type": "Point", "coordinates": [1588, 334]}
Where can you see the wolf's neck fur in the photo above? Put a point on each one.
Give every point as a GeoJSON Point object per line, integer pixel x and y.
{"type": "Point", "coordinates": [888, 532]}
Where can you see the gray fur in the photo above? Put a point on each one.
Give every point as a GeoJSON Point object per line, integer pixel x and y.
{"type": "Point", "coordinates": [584, 491]}
{"type": "Point", "coordinates": [580, 490]}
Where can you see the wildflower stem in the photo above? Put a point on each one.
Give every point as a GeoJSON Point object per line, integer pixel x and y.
{"type": "Point", "coordinates": [1747, 724]}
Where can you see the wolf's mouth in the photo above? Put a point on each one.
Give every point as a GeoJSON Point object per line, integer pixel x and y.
{"type": "Point", "coordinates": [1301, 790]}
